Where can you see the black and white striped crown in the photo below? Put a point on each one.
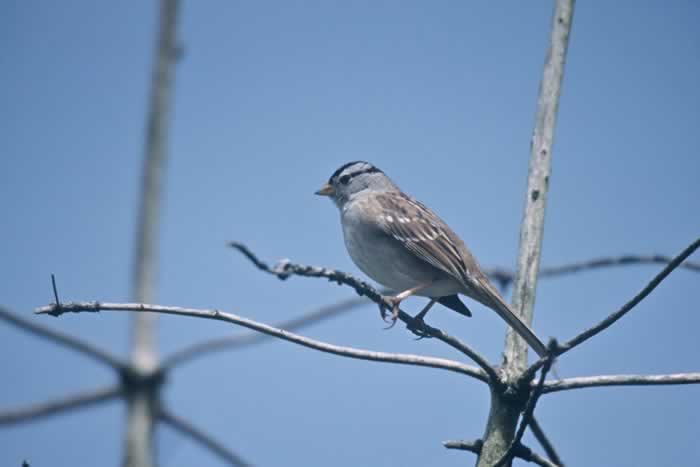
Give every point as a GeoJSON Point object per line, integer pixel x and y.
{"type": "Point", "coordinates": [348, 171]}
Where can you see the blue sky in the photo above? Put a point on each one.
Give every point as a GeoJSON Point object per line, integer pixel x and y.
{"type": "Point", "coordinates": [270, 98]}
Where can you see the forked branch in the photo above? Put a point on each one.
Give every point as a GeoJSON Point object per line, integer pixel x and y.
{"type": "Point", "coordinates": [622, 311]}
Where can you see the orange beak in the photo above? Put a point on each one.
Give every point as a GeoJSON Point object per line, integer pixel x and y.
{"type": "Point", "coordinates": [325, 190]}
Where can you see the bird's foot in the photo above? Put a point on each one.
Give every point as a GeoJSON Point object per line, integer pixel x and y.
{"type": "Point", "coordinates": [395, 302]}
{"type": "Point", "coordinates": [419, 328]}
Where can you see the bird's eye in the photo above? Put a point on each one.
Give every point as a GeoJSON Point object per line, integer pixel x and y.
{"type": "Point", "coordinates": [345, 179]}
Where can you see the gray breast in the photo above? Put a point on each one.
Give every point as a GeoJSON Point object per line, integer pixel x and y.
{"type": "Point", "coordinates": [380, 256]}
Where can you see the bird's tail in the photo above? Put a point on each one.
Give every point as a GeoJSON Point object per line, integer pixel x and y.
{"type": "Point", "coordinates": [493, 300]}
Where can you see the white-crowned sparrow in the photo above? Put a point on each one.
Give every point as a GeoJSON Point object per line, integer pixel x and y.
{"type": "Point", "coordinates": [406, 247]}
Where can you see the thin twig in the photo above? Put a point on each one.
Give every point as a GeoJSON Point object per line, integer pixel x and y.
{"type": "Point", "coordinates": [284, 269]}
{"type": "Point", "coordinates": [62, 339]}
{"type": "Point", "coordinates": [55, 289]}
{"type": "Point", "coordinates": [56, 406]}
{"type": "Point", "coordinates": [529, 408]}
{"type": "Point", "coordinates": [613, 317]}
{"type": "Point", "coordinates": [544, 441]}
{"type": "Point", "coordinates": [607, 322]}
{"type": "Point", "coordinates": [189, 430]}
{"type": "Point", "coordinates": [350, 352]}
{"type": "Point", "coordinates": [504, 276]}
{"type": "Point", "coordinates": [464, 445]}
{"type": "Point", "coordinates": [521, 451]}
{"type": "Point", "coordinates": [238, 341]}
{"type": "Point", "coordinates": [620, 380]}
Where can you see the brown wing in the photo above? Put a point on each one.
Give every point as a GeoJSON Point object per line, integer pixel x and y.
{"type": "Point", "coordinates": [426, 235]}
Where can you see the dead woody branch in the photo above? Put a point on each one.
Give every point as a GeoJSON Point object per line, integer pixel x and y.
{"type": "Point", "coordinates": [405, 359]}
{"type": "Point", "coordinates": [505, 277]}
{"type": "Point", "coordinates": [622, 311]}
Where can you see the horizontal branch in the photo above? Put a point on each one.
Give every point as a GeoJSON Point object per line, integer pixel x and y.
{"type": "Point", "coordinates": [522, 452]}
{"type": "Point", "coordinates": [405, 359]}
{"type": "Point", "coordinates": [504, 276]}
{"type": "Point", "coordinates": [63, 339]}
{"type": "Point", "coordinates": [56, 406]}
{"type": "Point", "coordinates": [285, 269]}
{"type": "Point", "coordinates": [622, 311]}
{"type": "Point", "coordinates": [189, 430]}
{"type": "Point", "coordinates": [620, 380]}
{"type": "Point", "coordinates": [238, 341]}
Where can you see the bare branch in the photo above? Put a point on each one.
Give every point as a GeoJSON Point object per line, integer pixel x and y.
{"type": "Point", "coordinates": [613, 317]}
{"type": "Point", "coordinates": [62, 339]}
{"type": "Point", "coordinates": [501, 423]}
{"type": "Point", "coordinates": [504, 277]}
{"type": "Point", "coordinates": [522, 452]}
{"type": "Point", "coordinates": [532, 227]}
{"type": "Point", "coordinates": [406, 359]}
{"type": "Point", "coordinates": [238, 341]}
{"type": "Point", "coordinates": [189, 430]}
{"type": "Point", "coordinates": [541, 437]}
{"type": "Point", "coordinates": [57, 406]}
{"type": "Point", "coordinates": [620, 380]}
{"type": "Point", "coordinates": [284, 269]}
{"type": "Point", "coordinates": [464, 445]}
{"type": "Point", "coordinates": [607, 322]}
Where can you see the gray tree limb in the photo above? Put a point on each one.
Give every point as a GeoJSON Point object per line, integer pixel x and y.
{"type": "Point", "coordinates": [500, 429]}
{"type": "Point", "coordinates": [504, 277]}
{"type": "Point", "coordinates": [405, 359]}
{"type": "Point", "coordinates": [57, 406]}
{"type": "Point", "coordinates": [138, 443]}
{"type": "Point", "coordinates": [620, 380]}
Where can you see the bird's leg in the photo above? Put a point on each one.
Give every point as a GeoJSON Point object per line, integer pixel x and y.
{"type": "Point", "coordinates": [396, 301]}
{"type": "Point", "coordinates": [425, 309]}
{"type": "Point", "coordinates": [417, 327]}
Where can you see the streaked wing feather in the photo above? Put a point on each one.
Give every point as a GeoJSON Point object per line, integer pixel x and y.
{"type": "Point", "coordinates": [422, 232]}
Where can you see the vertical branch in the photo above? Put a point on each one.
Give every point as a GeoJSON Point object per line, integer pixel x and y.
{"type": "Point", "coordinates": [500, 430]}
{"type": "Point", "coordinates": [532, 227]}
{"type": "Point", "coordinates": [142, 399]}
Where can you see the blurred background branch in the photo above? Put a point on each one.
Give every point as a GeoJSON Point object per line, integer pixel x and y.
{"type": "Point", "coordinates": [142, 401]}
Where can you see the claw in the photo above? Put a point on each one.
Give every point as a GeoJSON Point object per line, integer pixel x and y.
{"type": "Point", "coordinates": [394, 311]}
{"type": "Point", "coordinates": [418, 327]}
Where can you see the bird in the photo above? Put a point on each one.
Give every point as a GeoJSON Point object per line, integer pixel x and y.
{"type": "Point", "coordinates": [404, 246]}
